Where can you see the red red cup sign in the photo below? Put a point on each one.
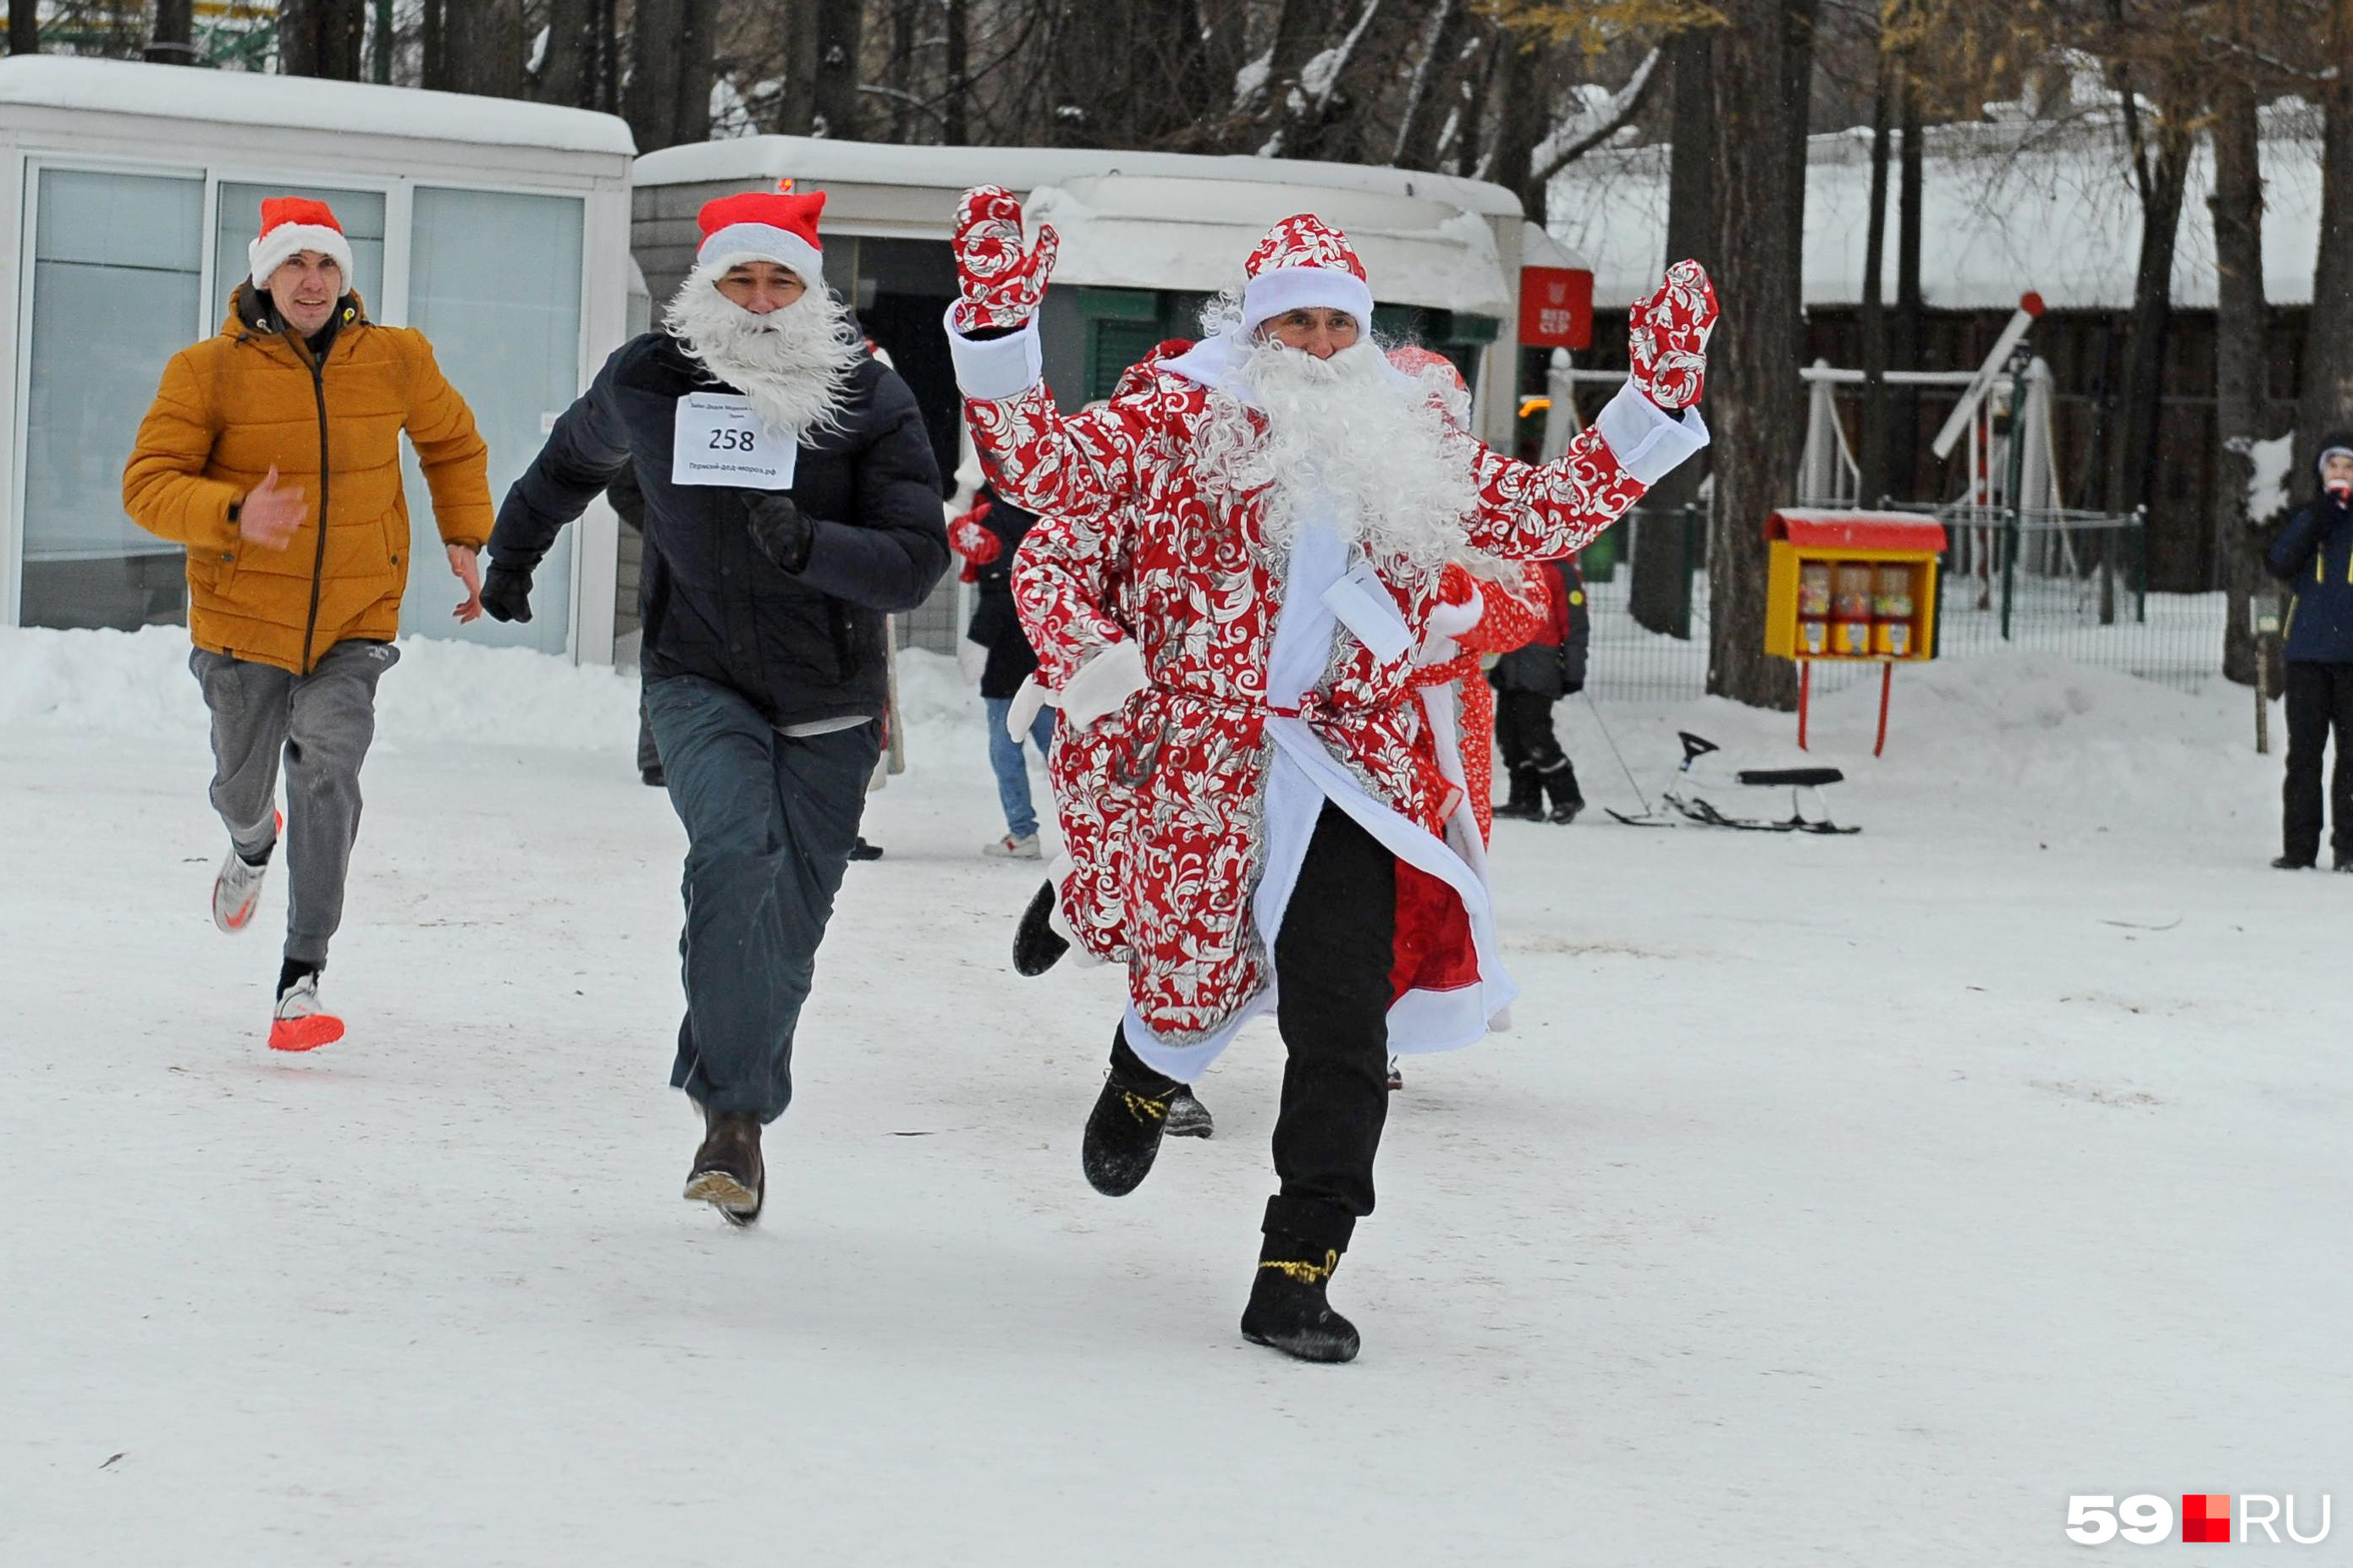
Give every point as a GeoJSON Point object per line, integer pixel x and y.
{"type": "Point", "coordinates": [1555, 307]}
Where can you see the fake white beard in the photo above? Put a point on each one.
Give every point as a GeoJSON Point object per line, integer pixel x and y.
{"type": "Point", "coordinates": [793, 364]}
{"type": "Point", "coordinates": [1341, 430]}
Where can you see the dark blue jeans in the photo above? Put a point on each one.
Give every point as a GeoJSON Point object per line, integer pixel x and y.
{"type": "Point", "coordinates": [770, 822]}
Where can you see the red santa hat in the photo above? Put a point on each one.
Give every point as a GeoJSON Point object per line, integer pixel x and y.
{"type": "Point", "coordinates": [290, 226]}
{"type": "Point", "coordinates": [763, 226]}
{"type": "Point", "coordinates": [1303, 262]}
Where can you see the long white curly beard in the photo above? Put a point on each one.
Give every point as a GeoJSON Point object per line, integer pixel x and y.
{"type": "Point", "coordinates": [1340, 431]}
{"type": "Point", "coordinates": [793, 364]}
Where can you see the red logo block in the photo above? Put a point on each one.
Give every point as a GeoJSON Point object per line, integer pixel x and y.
{"type": "Point", "coordinates": [2206, 1517]}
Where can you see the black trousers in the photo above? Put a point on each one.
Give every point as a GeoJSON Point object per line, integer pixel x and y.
{"type": "Point", "coordinates": [1332, 963]}
{"type": "Point", "coordinates": [2319, 696]}
{"type": "Point", "coordinates": [1524, 731]}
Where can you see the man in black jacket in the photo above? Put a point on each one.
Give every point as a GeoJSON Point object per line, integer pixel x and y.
{"type": "Point", "coordinates": [791, 502]}
{"type": "Point", "coordinates": [2313, 555]}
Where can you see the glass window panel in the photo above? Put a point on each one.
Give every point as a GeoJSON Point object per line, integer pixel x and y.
{"type": "Point", "coordinates": [360, 213]}
{"type": "Point", "coordinates": [494, 282]}
{"type": "Point", "coordinates": [117, 266]}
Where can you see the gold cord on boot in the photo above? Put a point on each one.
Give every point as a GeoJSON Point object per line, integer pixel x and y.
{"type": "Point", "coordinates": [1144, 1107]}
{"type": "Point", "coordinates": [1308, 1273]}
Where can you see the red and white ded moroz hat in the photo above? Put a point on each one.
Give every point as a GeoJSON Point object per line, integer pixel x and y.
{"type": "Point", "coordinates": [290, 226]}
{"type": "Point", "coordinates": [1303, 262]}
{"type": "Point", "coordinates": [763, 226]}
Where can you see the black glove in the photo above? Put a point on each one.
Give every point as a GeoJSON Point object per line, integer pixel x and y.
{"type": "Point", "coordinates": [506, 593]}
{"type": "Point", "coordinates": [778, 527]}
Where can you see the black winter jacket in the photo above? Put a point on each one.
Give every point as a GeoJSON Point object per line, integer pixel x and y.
{"type": "Point", "coordinates": [1554, 664]}
{"type": "Point", "coordinates": [2313, 555]}
{"type": "Point", "coordinates": [801, 646]}
{"type": "Point", "coordinates": [995, 623]}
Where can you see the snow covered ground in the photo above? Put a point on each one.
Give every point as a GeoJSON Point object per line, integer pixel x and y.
{"type": "Point", "coordinates": [1834, 1200]}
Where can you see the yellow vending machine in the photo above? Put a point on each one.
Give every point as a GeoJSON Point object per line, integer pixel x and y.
{"type": "Point", "coordinates": [1850, 587]}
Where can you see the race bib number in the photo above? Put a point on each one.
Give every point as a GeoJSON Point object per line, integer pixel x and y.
{"type": "Point", "coordinates": [1362, 604]}
{"type": "Point", "coordinates": [720, 441]}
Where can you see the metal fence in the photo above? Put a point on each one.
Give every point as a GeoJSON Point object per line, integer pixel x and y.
{"type": "Point", "coordinates": [2072, 584]}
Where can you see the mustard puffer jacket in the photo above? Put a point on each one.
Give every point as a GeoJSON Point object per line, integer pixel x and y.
{"type": "Point", "coordinates": [254, 397]}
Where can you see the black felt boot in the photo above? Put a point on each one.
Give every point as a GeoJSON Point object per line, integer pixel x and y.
{"type": "Point", "coordinates": [1526, 801]}
{"type": "Point", "coordinates": [1287, 1307]}
{"type": "Point", "coordinates": [1125, 1130]}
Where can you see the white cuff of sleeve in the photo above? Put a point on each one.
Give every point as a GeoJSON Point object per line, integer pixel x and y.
{"type": "Point", "coordinates": [1648, 442]}
{"type": "Point", "coordinates": [1453, 620]}
{"type": "Point", "coordinates": [989, 370]}
{"type": "Point", "coordinates": [1103, 684]}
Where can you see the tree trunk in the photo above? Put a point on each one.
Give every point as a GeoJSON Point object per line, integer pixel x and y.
{"type": "Point", "coordinates": [1522, 118]}
{"type": "Point", "coordinates": [1660, 592]}
{"type": "Point", "coordinates": [2132, 460]}
{"type": "Point", "coordinates": [2325, 401]}
{"type": "Point", "coordinates": [1872, 487]}
{"type": "Point", "coordinates": [2238, 205]}
{"type": "Point", "coordinates": [483, 48]}
{"type": "Point", "coordinates": [24, 26]}
{"type": "Point", "coordinates": [834, 87]}
{"type": "Point", "coordinates": [672, 48]}
{"type": "Point", "coordinates": [1763, 73]}
{"type": "Point", "coordinates": [957, 130]}
{"type": "Point", "coordinates": [1427, 90]}
{"type": "Point", "coordinates": [1910, 306]}
{"type": "Point", "coordinates": [172, 42]}
{"type": "Point", "coordinates": [578, 64]}
{"type": "Point", "coordinates": [321, 37]}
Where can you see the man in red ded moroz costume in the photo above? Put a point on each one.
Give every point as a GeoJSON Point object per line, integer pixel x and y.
{"type": "Point", "coordinates": [1286, 501]}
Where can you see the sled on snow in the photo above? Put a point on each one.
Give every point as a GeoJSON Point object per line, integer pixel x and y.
{"type": "Point", "coordinates": [1713, 791]}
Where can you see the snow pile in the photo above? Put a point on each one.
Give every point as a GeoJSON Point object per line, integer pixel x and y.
{"type": "Point", "coordinates": [137, 683]}
{"type": "Point", "coordinates": [2267, 495]}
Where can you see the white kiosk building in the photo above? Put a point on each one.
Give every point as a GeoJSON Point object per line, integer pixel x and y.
{"type": "Point", "coordinates": [498, 228]}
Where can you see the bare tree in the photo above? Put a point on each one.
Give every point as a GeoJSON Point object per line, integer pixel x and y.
{"type": "Point", "coordinates": [321, 37]}
{"type": "Point", "coordinates": [582, 67]}
{"type": "Point", "coordinates": [475, 46]}
{"type": "Point", "coordinates": [173, 39]}
{"type": "Point", "coordinates": [1660, 592]}
{"type": "Point", "coordinates": [24, 26]}
{"type": "Point", "coordinates": [2238, 206]}
{"type": "Point", "coordinates": [834, 67]}
{"type": "Point", "coordinates": [672, 45]}
{"type": "Point", "coordinates": [1762, 79]}
{"type": "Point", "coordinates": [2326, 401]}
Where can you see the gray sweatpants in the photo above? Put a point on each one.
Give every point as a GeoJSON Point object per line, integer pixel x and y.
{"type": "Point", "coordinates": [321, 723]}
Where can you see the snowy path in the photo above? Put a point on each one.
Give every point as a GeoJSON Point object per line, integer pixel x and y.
{"type": "Point", "coordinates": [1836, 1201]}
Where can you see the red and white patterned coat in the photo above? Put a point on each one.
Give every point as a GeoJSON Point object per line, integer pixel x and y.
{"type": "Point", "coordinates": [1507, 620]}
{"type": "Point", "coordinates": [1176, 777]}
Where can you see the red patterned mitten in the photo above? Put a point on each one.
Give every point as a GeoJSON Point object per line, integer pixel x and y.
{"type": "Point", "coordinates": [1000, 279]}
{"type": "Point", "coordinates": [971, 538]}
{"type": "Point", "coordinates": [1667, 339]}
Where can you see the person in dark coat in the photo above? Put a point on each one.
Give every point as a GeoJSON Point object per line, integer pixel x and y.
{"type": "Point", "coordinates": [987, 536]}
{"type": "Point", "coordinates": [791, 504]}
{"type": "Point", "coordinates": [1527, 682]}
{"type": "Point", "coordinates": [2313, 555]}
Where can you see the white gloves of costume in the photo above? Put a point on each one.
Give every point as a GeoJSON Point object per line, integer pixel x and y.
{"type": "Point", "coordinates": [1101, 686]}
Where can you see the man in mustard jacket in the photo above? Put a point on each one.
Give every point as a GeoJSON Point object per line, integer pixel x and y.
{"type": "Point", "coordinates": [272, 453]}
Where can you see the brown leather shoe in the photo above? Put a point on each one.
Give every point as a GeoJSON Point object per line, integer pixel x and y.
{"type": "Point", "coordinates": [728, 1174]}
